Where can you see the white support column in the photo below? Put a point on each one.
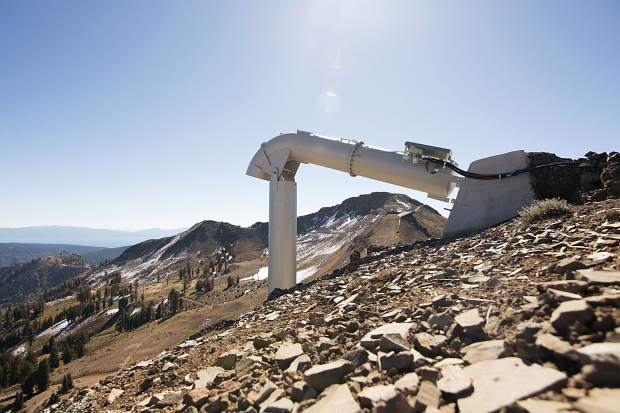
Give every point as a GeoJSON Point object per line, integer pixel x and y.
{"type": "Point", "coordinates": [282, 233]}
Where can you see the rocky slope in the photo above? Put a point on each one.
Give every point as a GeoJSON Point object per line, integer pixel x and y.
{"type": "Point", "coordinates": [326, 239]}
{"type": "Point", "coordinates": [20, 280]}
{"type": "Point", "coordinates": [515, 318]}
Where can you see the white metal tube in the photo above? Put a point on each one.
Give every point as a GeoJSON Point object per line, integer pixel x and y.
{"type": "Point", "coordinates": [282, 233]}
{"type": "Point", "coordinates": [374, 163]}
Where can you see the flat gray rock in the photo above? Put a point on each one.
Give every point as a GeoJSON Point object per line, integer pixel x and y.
{"type": "Point", "coordinates": [599, 277]}
{"type": "Point", "coordinates": [247, 365]}
{"type": "Point", "coordinates": [337, 398]}
{"type": "Point", "coordinates": [544, 406]}
{"type": "Point", "coordinates": [568, 264]}
{"type": "Point", "coordinates": [265, 391]}
{"type": "Point", "coordinates": [499, 383]}
{"type": "Point", "coordinates": [600, 401]}
{"type": "Point", "coordinates": [603, 299]}
{"type": "Point", "coordinates": [571, 286]}
{"type": "Point", "coordinates": [302, 391]}
{"type": "Point", "coordinates": [284, 405]}
{"type": "Point", "coordinates": [374, 394]}
{"type": "Point", "coordinates": [207, 376]}
{"type": "Point", "coordinates": [262, 341]}
{"type": "Point", "coordinates": [402, 361]}
{"type": "Point", "coordinates": [561, 296]}
{"type": "Point", "coordinates": [384, 398]}
{"type": "Point", "coordinates": [454, 382]}
{"type": "Point", "coordinates": [428, 397]}
{"type": "Point", "coordinates": [408, 383]}
{"type": "Point", "coordinates": [114, 394]}
{"type": "Point", "coordinates": [372, 338]}
{"type": "Point", "coordinates": [301, 363]}
{"type": "Point", "coordinates": [469, 319]}
{"type": "Point", "coordinates": [440, 321]}
{"type": "Point", "coordinates": [603, 353]}
{"type": "Point", "coordinates": [570, 312]}
{"type": "Point", "coordinates": [393, 342]}
{"type": "Point", "coordinates": [324, 375]}
{"type": "Point", "coordinates": [484, 350]}
{"type": "Point", "coordinates": [450, 361]}
{"type": "Point", "coordinates": [165, 399]}
{"type": "Point", "coordinates": [287, 353]}
{"type": "Point", "coordinates": [428, 344]}
{"type": "Point", "coordinates": [228, 359]}
{"type": "Point", "coordinates": [197, 397]}
{"type": "Point", "coordinates": [470, 323]}
{"type": "Point", "coordinates": [555, 345]}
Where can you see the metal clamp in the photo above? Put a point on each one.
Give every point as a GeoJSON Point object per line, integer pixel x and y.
{"type": "Point", "coordinates": [356, 147]}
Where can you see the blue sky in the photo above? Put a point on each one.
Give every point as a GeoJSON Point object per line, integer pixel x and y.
{"type": "Point", "coordinates": [135, 114]}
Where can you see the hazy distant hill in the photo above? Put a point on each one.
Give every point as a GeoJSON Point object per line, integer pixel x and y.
{"type": "Point", "coordinates": [21, 279]}
{"type": "Point", "coordinates": [81, 235]}
{"type": "Point", "coordinates": [13, 253]}
{"type": "Point", "coordinates": [101, 255]}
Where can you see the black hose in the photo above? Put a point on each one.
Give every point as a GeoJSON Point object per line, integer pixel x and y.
{"type": "Point", "coordinates": [500, 175]}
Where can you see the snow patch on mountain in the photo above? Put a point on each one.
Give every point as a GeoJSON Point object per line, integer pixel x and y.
{"type": "Point", "coordinates": [55, 329]}
{"type": "Point", "coordinates": [141, 267]}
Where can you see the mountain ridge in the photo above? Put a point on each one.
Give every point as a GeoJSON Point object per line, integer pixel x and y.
{"type": "Point", "coordinates": [75, 235]}
{"type": "Point", "coordinates": [22, 279]}
{"type": "Point", "coordinates": [378, 218]}
{"type": "Point", "coordinates": [15, 252]}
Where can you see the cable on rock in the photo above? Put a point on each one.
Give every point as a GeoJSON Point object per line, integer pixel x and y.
{"type": "Point", "coordinates": [500, 175]}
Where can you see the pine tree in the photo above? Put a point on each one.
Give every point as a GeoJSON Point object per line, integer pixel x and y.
{"type": "Point", "coordinates": [80, 345]}
{"type": "Point", "coordinates": [67, 383]}
{"type": "Point", "coordinates": [54, 362]}
{"type": "Point", "coordinates": [67, 353]}
{"type": "Point", "coordinates": [28, 383]}
{"type": "Point", "coordinates": [54, 398]}
{"type": "Point", "coordinates": [18, 404]}
{"type": "Point", "coordinates": [174, 300]}
{"type": "Point", "coordinates": [122, 314]}
{"type": "Point", "coordinates": [43, 376]}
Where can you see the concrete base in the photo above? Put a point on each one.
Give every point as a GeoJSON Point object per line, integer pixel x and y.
{"type": "Point", "coordinates": [483, 203]}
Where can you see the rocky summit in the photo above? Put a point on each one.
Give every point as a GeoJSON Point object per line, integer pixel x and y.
{"type": "Point", "coordinates": [517, 318]}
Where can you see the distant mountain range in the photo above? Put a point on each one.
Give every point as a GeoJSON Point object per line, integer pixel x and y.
{"type": "Point", "coordinates": [14, 253]}
{"type": "Point", "coordinates": [19, 280]}
{"type": "Point", "coordinates": [81, 235]}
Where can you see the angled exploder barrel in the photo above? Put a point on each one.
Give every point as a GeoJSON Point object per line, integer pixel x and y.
{"type": "Point", "coordinates": [352, 157]}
